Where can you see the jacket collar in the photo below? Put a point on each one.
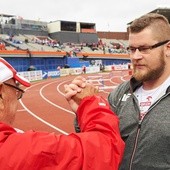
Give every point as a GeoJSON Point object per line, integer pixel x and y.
{"type": "Point", "coordinates": [168, 90]}
{"type": "Point", "coordinates": [134, 84]}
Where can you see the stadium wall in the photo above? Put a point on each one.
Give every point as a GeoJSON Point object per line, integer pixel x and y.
{"type": "Point", "coordinates": [74, 37]}
{"type": "Point", "coordinates": [113, 35]}
{"type": "Point", "coordinates": [65, 37]}
{"type": "Point", "coordinates": [88, 38]}
{"type": "Point", "coordinates": [23, 64]}
{"type": "Point", "coordinates": [51, 63]}
{"type": "Point", "coordinates": [22, 60]}
{"type": "Point", "coordinates": [13, 31]}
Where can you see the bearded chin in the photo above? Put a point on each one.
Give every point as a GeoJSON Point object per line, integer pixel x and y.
{"type": "Point", "coordinates": [150, 74]}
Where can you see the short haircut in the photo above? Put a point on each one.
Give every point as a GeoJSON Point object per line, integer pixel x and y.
{"type": "Point", "coordinates": [158, 23]}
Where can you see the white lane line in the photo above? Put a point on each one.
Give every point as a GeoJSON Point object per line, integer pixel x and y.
{"type": "Point", "coordinates": [42, 120]}
{"type": "Point", "coordinates": [66, 110]}
{"type": "Point", "coordinates": [37, 117]}
{"type": "Point", "coordinates": [107, 87]}
{"type": "Point", "coordinates": [20, 110]}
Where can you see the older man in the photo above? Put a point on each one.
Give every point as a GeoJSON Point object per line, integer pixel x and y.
{"type": "Point", "coordinates": [98, 147]}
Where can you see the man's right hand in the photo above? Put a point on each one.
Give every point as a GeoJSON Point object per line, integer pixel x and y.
{"type": "Point", "coordinates": [88, 90]}
{"type": "Point", "coordinates": [77, 90]}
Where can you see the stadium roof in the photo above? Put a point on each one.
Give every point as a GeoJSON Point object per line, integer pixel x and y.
{"type": "Point", "coordinates": [6, 15]}
{"type": "Point", "coordinates": [162, 11]}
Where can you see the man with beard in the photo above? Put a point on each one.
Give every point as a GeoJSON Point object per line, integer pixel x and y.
{"type": "Point", "coordinates": [143, 103]}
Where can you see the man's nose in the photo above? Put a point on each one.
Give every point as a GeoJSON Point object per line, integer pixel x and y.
{"type": "Point", "coordinates": [136, 55]}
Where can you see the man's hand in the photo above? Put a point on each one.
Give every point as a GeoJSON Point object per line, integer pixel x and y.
{"type": "Point", "coordinates": [88, 90]}
{"type": "Point", "coordinates": [77, 90]}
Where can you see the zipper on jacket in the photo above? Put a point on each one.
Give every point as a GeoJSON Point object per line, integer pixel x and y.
{"type": "Point", "coordinates": [137, 133]}
{"type": "Point", "coordinates": [135, 145]}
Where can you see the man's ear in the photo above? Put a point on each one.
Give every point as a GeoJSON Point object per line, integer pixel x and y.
{"type": "Point", "coordinates": [1, 100]}
{"type": "Point", "coordinates": [0, 90]}
{"type": "Point", "coordinates": [168, 45]}
{"type": "Point", "coordinates": [167, 53]}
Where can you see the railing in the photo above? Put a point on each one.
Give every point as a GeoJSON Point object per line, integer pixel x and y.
{"type": "Point", "coordinates": [11, 53]}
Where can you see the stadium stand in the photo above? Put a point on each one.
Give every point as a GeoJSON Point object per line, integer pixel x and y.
{"type": "Point", "coordinates": [48, 45]}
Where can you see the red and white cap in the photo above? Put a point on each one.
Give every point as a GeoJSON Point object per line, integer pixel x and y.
{"type": "Point", "coordinates": [7, 72]}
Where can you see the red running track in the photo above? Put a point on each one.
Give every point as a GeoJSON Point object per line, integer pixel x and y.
{"type": "Point", "coordinates": [44, 107]}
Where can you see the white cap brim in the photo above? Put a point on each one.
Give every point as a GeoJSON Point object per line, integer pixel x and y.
{"type": "Point", "coordinates": [7, 72]}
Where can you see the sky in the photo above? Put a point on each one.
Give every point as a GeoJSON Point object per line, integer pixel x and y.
{"type": "Point", "coordinates": [108, 15]}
